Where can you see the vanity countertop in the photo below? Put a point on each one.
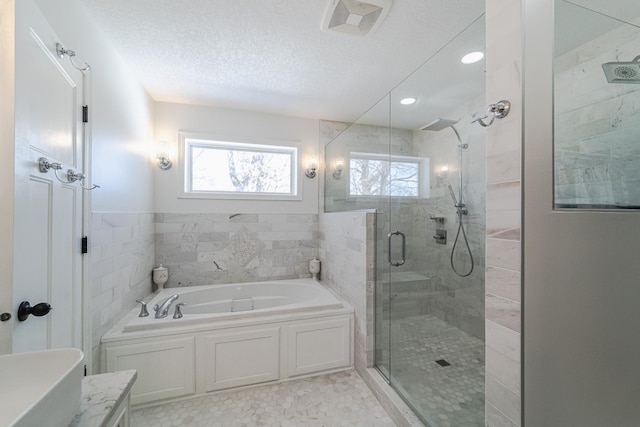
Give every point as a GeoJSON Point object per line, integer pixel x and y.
{"type": "Point", "coordinates": [101, 394]}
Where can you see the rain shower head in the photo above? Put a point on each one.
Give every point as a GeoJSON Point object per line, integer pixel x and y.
{"type": "Point", "coordinates": [623, 72]}
{"type": "Point", "coordinates": [439, 124]}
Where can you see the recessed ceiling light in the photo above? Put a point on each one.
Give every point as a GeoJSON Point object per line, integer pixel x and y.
{"type": "Point", "coordinates": [472, 57]}
{"type": "Point", "coordinates": [408, 101]}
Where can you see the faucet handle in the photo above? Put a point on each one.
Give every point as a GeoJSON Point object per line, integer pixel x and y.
{"type": "Point", "coordinates": [178, 312]}
{"type": "Point", "coordinates": [143, 308]}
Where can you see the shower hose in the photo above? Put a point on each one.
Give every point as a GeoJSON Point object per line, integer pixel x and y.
{"type": "Point", "coordinates": [466, 242]}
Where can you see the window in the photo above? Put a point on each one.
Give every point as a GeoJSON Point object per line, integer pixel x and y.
{"type": "Point", "coordinates": [380, 175]}
{"type": "Point", "coordinates": [231, 169]}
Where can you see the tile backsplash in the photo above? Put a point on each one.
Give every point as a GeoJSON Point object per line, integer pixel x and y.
{"type": "Point", "coordinates": [201, 249]}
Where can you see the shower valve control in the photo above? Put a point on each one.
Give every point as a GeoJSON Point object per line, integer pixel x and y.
{"type": "Point", "coordinates": [440, 237]}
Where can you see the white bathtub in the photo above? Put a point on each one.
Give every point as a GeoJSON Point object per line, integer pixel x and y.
{"type": "Point", "coordinates": [235, 301]}
{"type": "Point", "coordinates": [230, 336]}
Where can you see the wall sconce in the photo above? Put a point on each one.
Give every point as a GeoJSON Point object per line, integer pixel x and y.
{"type": "Point", "coordinates": [312, 167]}
{"type": "Point", "coordinates": [444, 170]}
{"type": "Point", "coordinates": [338, 170]}
{"type": "Point", "coordinates": [164, 162]}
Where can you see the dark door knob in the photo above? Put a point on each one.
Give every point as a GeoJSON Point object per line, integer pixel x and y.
{"type": "Point", "coordinates": [25, 309]}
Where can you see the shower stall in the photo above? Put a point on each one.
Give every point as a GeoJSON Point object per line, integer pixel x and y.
{"type": "Point", "coordinates": [421, 168]}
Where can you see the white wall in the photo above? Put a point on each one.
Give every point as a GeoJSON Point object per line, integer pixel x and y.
{"type": "Point", "coordinates": [121, 114]}
{"type": "Point", "coordinates": [173, 118]}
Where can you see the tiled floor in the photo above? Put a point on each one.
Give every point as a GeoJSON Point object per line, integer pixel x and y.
{"type": "Point", "coordinates": [446, 396]}
{"type": "Point", "coordinates": [339, 399]}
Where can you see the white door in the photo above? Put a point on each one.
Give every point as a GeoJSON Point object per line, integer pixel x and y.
{"type": "Point", "coordinates": [48, 212]}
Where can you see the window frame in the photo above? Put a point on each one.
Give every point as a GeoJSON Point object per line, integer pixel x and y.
{"type": "Point", "coordinates": [424, 172]}
{"type": "Point", "coordinates": [186, 140]}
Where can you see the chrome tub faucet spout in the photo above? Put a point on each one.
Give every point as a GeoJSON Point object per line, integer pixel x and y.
{"type": "Point", "coordinates": [163, 309]}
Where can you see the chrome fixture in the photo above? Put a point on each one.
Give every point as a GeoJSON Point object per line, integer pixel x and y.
{"type": "Point", "coordinates": [72, 176]}
{"type": "Point", "coordinates": [143, 308]}
{"type": "Point", "coordinates": [623, 72]}
{"type": "Point", "coordinates": [163, 310]}
{"type": "Point", "coordinates": [404, 248]}
{"type": "Point", "coordinates": [338, 170]}
{"type": "Point", "coordinates": [62, 52]}
{"type": "Point", "coordinates": [438, 219]}
{"type": "Point", "coordinates": [310, 172]}
{"type": "Point", "coordinates": [44, 165]}
{"type": "Point", "coordinates": [499, 110]}
{"type": "Point", "coordinates": [441, 237]}
{"type": "Point", "coordinates": [178, 312]}
{"type": "Point", "coordinates": [164, 162]}
{"type": "Point", "coordinates": [438, 125]}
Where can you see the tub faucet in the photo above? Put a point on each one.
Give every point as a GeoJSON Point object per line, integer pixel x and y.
{"type": "Point", "coordinates": [163, 309]}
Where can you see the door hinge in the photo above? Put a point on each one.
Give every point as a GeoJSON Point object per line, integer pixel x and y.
{"type": "Point", "coordinates": [85, 114]}
{"type": "Point", "coordinates": [85, 370]}
{"type": "Point", "coordinates": [85, 245]}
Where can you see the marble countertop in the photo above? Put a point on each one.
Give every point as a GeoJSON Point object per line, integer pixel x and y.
{"type": "Point", "coordinates": [101, 394]}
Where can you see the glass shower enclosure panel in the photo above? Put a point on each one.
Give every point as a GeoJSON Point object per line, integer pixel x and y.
{"type": "Point", "coordinates": [407, 163]}
{"type": "Point", "coordinates": [436, 219]}
{"type": "Point", "coordinates": [356, 179]}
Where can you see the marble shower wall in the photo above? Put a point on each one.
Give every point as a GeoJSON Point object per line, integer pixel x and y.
{"type": "Point", "coordinates": [503, 246]}
{"type": "Point", "coordinates": [425, 284]}
{"type": "Point", "coordinates": [457, 300]}
{"type": "Point", "coordinates": [597, 124]}
{"type": "Point", "coordinates": [347, 251]}
{"type": "Point", "coordinates": [202, 249]}
{"type": "Point", "coordinates": [122, 255]}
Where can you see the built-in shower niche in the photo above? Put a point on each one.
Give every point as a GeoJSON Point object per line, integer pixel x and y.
{"type": "Point", "coordinates": [391, 162]}
{"type": "Point", "coordinates": [596, 110]}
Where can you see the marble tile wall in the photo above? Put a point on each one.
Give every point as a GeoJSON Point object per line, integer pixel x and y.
{"type": "Point", "coordinates": [597, 124]}
{"type": "Point", "coordinates": [503, 245]}
{"type": "Point", "coordinates": [348, 236]}
{"type": "Point", "coordinates": [202, 249]}
{"type": "Point", "coordinates": [457, 300]}
{"type": "Point", "coordinates": [347, 253]}
{"type": "Point", "coordinates": [425, 284]}
{"type": "Point", "coordinates": [122, 252]}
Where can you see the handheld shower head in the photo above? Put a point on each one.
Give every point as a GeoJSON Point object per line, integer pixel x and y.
{"type": "Point", "coordinates": [453, 195]}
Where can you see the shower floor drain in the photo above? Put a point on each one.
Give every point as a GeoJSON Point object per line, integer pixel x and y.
{"type": "Point", "coordinates": [443, 362]}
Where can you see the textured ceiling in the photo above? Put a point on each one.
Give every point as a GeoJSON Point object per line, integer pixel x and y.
{"type": "Point", "coordinates": [271, 55]}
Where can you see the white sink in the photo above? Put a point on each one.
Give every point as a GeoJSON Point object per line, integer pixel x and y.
{"type": "Point", "coordinates": [41, 388]}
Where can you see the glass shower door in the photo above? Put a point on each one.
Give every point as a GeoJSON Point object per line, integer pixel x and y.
{"type": "Point", "coordinates": [435, 318]}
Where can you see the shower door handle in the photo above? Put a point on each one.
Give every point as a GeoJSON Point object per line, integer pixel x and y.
{"type": "Point", "coordinates": [404, 248]}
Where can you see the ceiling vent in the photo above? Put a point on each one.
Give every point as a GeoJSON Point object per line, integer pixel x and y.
{"type": "Point", "coordinates": [355, 17]}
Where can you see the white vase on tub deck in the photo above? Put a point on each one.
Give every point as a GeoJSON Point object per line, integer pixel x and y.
{"type": "Point", "coordinates": [160, 276]}
{"type": "Point", "coordinates": [314, 267]}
